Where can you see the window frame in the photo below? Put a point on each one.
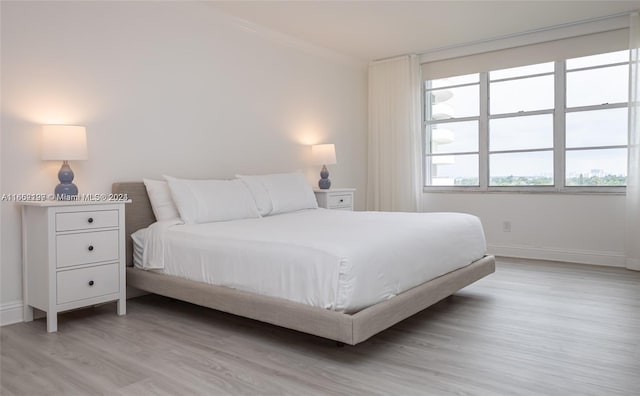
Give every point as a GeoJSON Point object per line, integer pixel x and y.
{"type": "Point", "coordinates": [559, 150]}
{"type": "Point", "coordinates": [426, 137]}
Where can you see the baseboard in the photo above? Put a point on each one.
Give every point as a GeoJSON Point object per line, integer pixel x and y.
{"type": "Point", "coordinates": [594, 257]}
{"type": "Point", "coordinates": [11, 313]}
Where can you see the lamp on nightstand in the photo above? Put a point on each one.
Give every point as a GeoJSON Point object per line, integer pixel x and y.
{"type": "Point", "coordinates": [324, 154]}
{"type": "Point", "coordinates": [64, 143]}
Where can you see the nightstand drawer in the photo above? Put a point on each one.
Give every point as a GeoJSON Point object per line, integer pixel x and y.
{"type": "Point", "coordinates": [340, 200]}
{"type": "Point", "coordinates": [85, 283]}
{"type": "Point", "coordinates": [86, 248]}
{"type": "Point", "coordinates": [86, 220]}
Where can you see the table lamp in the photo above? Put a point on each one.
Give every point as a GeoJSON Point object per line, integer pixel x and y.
{"type": "Point", "coordinates": [64, 143]}
{"type": "Point", "coordinates": [324, 154]}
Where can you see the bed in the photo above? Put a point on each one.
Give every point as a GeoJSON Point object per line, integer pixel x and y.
{"type": "Point", "coordinates": [343, 317]}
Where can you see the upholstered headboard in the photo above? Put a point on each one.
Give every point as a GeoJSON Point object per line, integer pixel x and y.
{"type": "Point", "coordinates": [138, 213]}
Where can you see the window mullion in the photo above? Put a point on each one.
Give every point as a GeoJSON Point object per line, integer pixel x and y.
{"type": "Point", "coordinates": [559, 125]}
{"type": "Point", "coordinates": [620, 146]}
{"type": "Point", "coordinates": [604, 106]}
{"type": "Point", "coordinates": [579, 69]}
{"type": "Point", "coordinates": [452, 119]}
{"type": "Point", "coordinates": [451, 86]}
{"type": "Point", "coordinates": [522, 77]}
{"type": "Point", "coordinates": [520, 114]}
{"type": "Point", "coordinates": [483, 142]}
{"type": "Point", "coordinates": [426, 135]}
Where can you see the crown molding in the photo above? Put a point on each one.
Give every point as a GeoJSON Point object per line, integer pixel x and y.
{"type": "Point", "coordinates": [284, 39]}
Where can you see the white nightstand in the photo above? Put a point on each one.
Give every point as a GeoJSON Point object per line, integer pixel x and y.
{"type": "Point", "coordinates": [335, 198]}
{"type": "Point", "coordinates": [73, 256]}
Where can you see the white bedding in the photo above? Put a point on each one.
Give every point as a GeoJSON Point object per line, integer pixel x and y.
{"type": "Point", "coordinates": [338, 260]}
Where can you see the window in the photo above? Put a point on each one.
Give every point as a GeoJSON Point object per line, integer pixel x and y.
{"type": "Point", "coordinates": [555, 126]}
{"type": "Point", "coordinates": [596, 120]}
{"type": "Point", "coordinates": [521, 126]}
{"type": "Point", "coordinates": [453, 113]}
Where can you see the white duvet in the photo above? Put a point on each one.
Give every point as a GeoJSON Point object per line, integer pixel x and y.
{"type": "Point", "coordinates": [338, 260]}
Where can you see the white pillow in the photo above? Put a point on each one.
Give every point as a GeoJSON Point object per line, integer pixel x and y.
{"type": "Point", "coordinates": [161, 201]}
{"type": "Point", "coordinates": [289, 192]}
{"type": "Point", "coordinates": [259, 192]}
{"type": "Point", "coordinates": [205, 201]}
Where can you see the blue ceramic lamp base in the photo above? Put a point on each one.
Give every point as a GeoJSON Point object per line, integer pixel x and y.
{"type": "Point", "coordinates": [324, 183]}
{"type": "Point", "coordinates": [66, 190]}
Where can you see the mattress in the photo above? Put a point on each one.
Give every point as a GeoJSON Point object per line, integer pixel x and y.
{"type": "Point", "coordinates": [338, 260]}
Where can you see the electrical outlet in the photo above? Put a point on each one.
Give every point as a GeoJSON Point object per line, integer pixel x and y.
{"type": "Point", "coordinates": [506, 226]}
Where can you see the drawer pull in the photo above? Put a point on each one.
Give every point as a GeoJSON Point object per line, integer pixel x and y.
{"type": "Point", "coordinates": [342, 200]}
{"type": "Point", "coordinates": [91, 283]}
{"type": "Point", "coordinates": [90, 248]}
{"type": "Point", "coordinates": [90, 220]}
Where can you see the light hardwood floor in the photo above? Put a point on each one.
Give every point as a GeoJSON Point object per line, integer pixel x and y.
{"type": "Point", "coordinates": [531, 328]}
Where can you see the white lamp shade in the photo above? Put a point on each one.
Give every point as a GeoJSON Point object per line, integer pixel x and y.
{"type": "Point", "coordinates": [64, 142]}
{"type": "Point", "coordinates": [323, 154]}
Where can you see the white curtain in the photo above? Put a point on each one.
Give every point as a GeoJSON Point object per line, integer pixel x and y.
{"type": "Point", "coordinates": [394, 162]}
{"type": "Point", "coordinates": [632, 231]}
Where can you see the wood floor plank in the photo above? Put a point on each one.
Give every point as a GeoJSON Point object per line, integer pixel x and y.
{"type": "Point", "coordinates": [532, 328]}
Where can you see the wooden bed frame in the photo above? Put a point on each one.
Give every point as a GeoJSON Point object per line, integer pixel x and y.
{"type": "Point", "coordinates": [346, 328]}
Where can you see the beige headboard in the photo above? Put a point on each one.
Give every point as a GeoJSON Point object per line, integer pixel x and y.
{"type": "Point", "coordinates": [138, 213]}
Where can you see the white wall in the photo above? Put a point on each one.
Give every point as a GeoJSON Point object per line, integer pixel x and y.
{"type": "Point", "coordinates": [166, 88]}
{"type": "Point", "coordinates": [576, 228]}
{"type": "Point", "coordinates": [175, 88]}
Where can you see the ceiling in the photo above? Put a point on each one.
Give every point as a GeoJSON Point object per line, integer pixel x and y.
{"type": "Point", "coordinates": [371, 30]}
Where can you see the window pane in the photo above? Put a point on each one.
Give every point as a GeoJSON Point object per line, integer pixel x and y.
{"type": "Point", "coordinates": [522, 71]}
{"type": "Point", "coordinates": [520, 133]}
{"type": "Point", "coordinates": [597, 128]}
{"type": "Point", "coordinates": [535, 93]}
{"type": "Point", "coordinates": [521, 169]}
{"type": "Point", "coordinates": [605, 167]}
{"type": "Point", "coordinates": [452, 170]}
{"type": "Point", "coordinates": [454, 137]}
{"type": "Point", "coordinates": [597, 60]}
{"type": "Point", "coordinates": [598, 86]}
{"type": "Point", "coordinates": [458, 80]}
{"type": "Point", "coordinates": [454, 102]}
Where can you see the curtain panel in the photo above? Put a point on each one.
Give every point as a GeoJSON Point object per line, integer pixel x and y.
{"type": "Point", "coordinates": [632, 231]}
{"type": "Point", "coordinates": [394, 178]}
